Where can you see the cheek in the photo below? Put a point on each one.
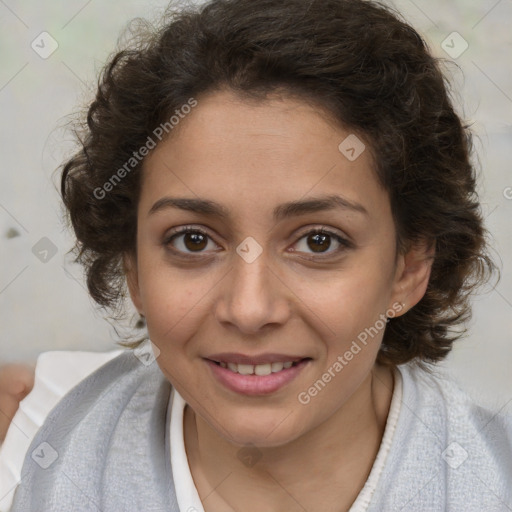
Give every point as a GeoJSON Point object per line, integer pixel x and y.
{"type": "Point", "coordinates": [345, 303]}
{"type": "Point", "coordinates": [346, 316]}
{"type": "Point", "coordinates": [175, 301]}
{"type": "Point", "coordinates": [355, 305]}
{"type": "Point", "coordinates": [172, 305]}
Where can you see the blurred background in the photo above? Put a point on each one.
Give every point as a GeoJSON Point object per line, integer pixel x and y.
{"type": "Point", "coordinates": [51, 53]}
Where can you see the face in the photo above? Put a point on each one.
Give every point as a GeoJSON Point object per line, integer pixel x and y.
{"type": "Point", "coordinates": [261, 244]}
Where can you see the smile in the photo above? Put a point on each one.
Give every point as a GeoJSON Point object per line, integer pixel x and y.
{"type": "Point", "coordinates": [263, 378]}
{"type": "Point", "coordinates": [257, 369]}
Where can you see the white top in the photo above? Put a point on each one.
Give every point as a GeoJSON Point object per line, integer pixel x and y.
{"type": "Point", "coordinates": [59, 371]}
{"type": "Point", "coordinates": [186, 492]}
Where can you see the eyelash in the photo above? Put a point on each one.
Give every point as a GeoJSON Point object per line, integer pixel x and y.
{"type": "Point", "coordinates": [344, 243]}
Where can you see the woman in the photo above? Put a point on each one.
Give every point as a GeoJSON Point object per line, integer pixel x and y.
{"type": "Point", "coordinates": [287, 192]}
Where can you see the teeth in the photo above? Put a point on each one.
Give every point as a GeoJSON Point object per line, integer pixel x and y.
{"type": "Point", "coordinates": [277, 367]}
{"type": "Point", "coordinates": [263, 369]}
{"type": "Point", "coordinates": [257, 369]}
{"type": "Point", "coordinates": [245, 369]}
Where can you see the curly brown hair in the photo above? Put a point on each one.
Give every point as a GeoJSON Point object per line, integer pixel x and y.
{"type": "Point", "coordinates": [356, 59]}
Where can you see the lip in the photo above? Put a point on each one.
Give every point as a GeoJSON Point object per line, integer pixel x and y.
{"type": "Point", "coordinates": [255, 385]}
{"type": "Point", "coordinates": [231, 357]}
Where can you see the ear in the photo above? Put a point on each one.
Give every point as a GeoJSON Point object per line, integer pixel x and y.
{"type": "Point", "coordinates": [413, 274]}
{"type": "Point", "coordinates": [132, 280]}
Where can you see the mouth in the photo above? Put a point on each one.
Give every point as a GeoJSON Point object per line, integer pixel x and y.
{"type": "Point", "coordinates": [256, 376]}
{"type": "Point", "coordinates": [258, 369]}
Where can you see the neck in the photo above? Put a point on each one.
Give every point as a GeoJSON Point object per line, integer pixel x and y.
{"type": "Point", "coordinates": [325, 469]}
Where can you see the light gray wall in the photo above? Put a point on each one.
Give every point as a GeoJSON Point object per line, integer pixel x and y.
{"type": "Point", "coordinates": [44, 305]}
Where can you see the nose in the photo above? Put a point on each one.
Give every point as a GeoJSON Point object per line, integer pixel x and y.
{"type": "Point", "coordinates": [252, 297]}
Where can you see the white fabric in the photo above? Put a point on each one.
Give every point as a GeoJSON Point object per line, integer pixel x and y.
{"type": "Point", "coordinates": [186, 492]}
{"type": "Point", "coordinates": [55, 374]}
{"type": "Point", "coordinates": [363, 500]}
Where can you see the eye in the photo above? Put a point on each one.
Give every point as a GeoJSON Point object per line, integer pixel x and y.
{"type": "Point", "coordinates": [321, 241]}
{"type": "Point", "coordinates": [190, 240]}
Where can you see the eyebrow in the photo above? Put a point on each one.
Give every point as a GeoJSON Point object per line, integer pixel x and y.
{"type": "Point", "coordinates": [283, 211]}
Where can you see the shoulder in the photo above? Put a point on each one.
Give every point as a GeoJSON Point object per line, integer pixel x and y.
{"type": "Point", "coordinates": [56, 374]}
{"type": "Point", "coordinates": [120, 373]}
{"type": "Point", "coordinates": [435, 392]}
{"type": "Point", "coordinates": [89, 440]}
{"type": "Point", "coordinates": [95, 430]}
{"type": "Point", "coordinates": [448, 452]}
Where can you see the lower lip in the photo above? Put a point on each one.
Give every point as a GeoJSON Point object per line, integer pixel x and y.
{"type": "Point", "coordinates": [256, 384]}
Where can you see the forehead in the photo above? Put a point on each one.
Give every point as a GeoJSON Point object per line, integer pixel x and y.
{"type": "Point", "coordinates": [253, 153]}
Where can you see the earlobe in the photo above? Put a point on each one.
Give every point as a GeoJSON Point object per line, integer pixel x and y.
{"type": "Point", "coordinates": [413, 274]}
{"type": "Point", "coordinates": [132, 281]}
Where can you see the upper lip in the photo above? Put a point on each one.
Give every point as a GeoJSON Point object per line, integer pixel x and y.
{"type": "Point", "coordinates": [231, 357]}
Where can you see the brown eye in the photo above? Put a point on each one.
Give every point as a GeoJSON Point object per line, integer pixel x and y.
{"type": "Point", "coordinates": [189, 241]}
{"type": "Point", "coordinates": [195, 241]}
{"type": "Point", "coordinates": [319, 242]}
{"type": "Point", "coordinates": [322, 242]}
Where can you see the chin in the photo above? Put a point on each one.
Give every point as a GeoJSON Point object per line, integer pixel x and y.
{"type": "Point", "coordinates": [265, 431]}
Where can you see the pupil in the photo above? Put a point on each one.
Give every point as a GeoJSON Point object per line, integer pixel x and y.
{"type": "Point", "coordinates": [321, 242]}
{"type": "Point", "coordinates": [195, 241]}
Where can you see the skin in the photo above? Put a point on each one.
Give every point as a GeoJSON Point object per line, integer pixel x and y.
{"type": "Point", "coordinates": [16, 382]}
{"type": "Point", "coordinates": [251, 157]}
